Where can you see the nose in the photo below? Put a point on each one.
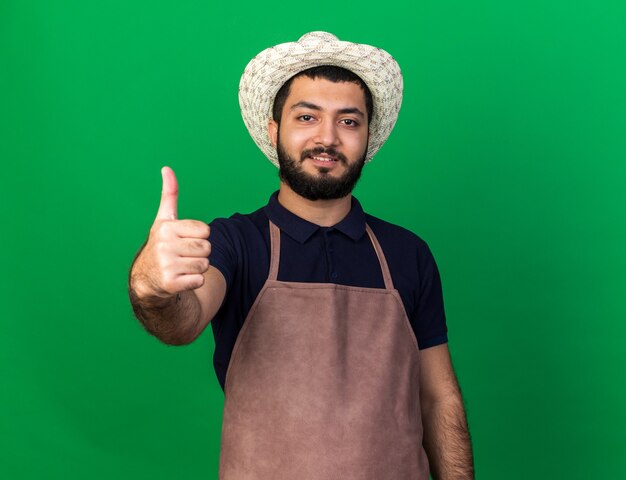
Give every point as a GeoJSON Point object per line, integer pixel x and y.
{"type": "Point", "coordinates": [327, 134]}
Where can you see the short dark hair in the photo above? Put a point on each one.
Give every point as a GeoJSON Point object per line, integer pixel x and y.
{"type": "Point", "coordinates": [328, 72]}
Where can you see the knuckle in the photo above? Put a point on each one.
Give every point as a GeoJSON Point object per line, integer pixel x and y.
{"type": "Point", "coordinates": [204, 247]}
{"type": "Point", "coordinates": [168, 228]}
{"type": "Point", "coordinates": [196, 281]}
{"type": "Point", "coordinates": [167, 282]}
{"type": "Point", "coordinates": [157, 227]}
{"type": "Point", "coordinates": [198, 226]}
{"type": "Point", "coordinates": [203, 264]}
{"type": "Point", "coordinates": [167, 277]}
{"type": "Point", "coordinates": [197, 247]}
{"type": "Point", "coordinates": [194, 228]}
{"type": "Point", "coordinates": [196, 266]}
{"type": "Point", "coordinates": [201, 229]}
{"type": "Point", "coordinates": [161, 248]}
{"type": "Point", "coordinates": [169, 266]}
{"type": "Point", "coordinates": [188, 246]}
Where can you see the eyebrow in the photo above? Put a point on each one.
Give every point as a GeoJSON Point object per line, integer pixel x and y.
{"type": "Point", "coordinates": [341, 111]}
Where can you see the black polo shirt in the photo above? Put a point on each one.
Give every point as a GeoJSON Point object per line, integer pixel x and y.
{"type": "Point", "coordinates": [342, 254]}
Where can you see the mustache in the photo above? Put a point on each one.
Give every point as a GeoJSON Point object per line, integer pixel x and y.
{"type": "Point", "coordinates": [312, 152]}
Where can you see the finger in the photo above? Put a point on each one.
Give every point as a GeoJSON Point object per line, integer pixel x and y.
{"type": "Point", "coordinates": [192, 247]}
{"type": "Point", "coordinates": [190, 229]}
{"type": "Point", "coordinates": [188, 278]}
{"type": "Point", "coordinates": [190, 282]}
{"type": "Point", "coordinates": [191, 266]}
{"type": "Point", "coordinates": [168, 209]}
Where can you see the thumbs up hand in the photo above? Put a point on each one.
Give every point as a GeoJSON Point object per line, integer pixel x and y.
{"type": "Point", "coordinates": [175, 256]}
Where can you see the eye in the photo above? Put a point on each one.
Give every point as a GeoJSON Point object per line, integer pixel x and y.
{"type": "Point", "coordinates": [305, 118]}
{"type": "Point", "coordinates": [349, 122]}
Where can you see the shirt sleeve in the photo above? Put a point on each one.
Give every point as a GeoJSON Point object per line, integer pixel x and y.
{"type": "Point", "coordinates": [429, 318]}
{"type": "Point", "coordinates": [223, 255]}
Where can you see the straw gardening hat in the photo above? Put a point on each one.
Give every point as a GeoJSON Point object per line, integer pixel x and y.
{"type": "Point", "coordinates": [270, 69]}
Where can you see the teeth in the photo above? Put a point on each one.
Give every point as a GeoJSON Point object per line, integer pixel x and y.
{"type": "Point", "coordinates": [323, 159]}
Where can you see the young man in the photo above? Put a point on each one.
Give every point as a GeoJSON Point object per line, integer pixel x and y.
{"type": "Point", "coordinates": [329, 326]}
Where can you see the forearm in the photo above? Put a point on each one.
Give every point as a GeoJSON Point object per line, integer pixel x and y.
{"type": "Point", "coordinates": [172, 320]}
{"type": "Point", "coordinates": [446, 439]}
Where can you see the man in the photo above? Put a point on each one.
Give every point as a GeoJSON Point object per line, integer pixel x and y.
{"type": "Point", "coordinates": [329, 326]}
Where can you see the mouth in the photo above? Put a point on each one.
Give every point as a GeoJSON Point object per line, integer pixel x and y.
{"type": "Point", "coordinates": [324, 159]}
{"type": "Point", "coordinates": [324, 163]}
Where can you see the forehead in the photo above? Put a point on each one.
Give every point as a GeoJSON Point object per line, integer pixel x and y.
{"type": "Point", "coordinates": [325, 93]}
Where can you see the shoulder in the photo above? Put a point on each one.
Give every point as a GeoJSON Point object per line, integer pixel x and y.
{"type": "Point", "coordinates": [409, 257]}
{"type": "Point", "coordinates": [240, 225]}
{"type": "Point", "coordinates": [240, 236]}
{"type": "Point", "coordinates": [394, 235]}
{"type": "Point", "coordinates": [237, 241]}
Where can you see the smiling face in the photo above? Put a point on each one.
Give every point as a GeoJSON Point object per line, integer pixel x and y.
{"type": "Point", "coordinates": [322, 137]}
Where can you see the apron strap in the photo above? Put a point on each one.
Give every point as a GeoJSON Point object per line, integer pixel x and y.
{"type": "Point", "coordinates": [274, 251]}
{"type": "Point", "coordinates": [381, 258]}
{"type": "Point", "coordinates": [275, 255]}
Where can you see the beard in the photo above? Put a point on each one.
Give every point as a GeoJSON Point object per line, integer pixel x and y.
{"type": "Point", "coordinates": [322, 186]}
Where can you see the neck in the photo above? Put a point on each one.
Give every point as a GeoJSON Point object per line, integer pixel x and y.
{"type": "Point", "coordinates": [324, 213]}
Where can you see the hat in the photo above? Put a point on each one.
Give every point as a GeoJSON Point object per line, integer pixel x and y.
{"type": "Point", "coordinates": [270, 69]}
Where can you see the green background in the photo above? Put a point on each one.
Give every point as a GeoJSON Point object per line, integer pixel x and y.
{"type": "Point", "coordinates": [509, 159]}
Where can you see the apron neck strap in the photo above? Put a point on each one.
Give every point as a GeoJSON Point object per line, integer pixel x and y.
{"type": "Point", "coordinates": [274, 251]}
{"type": "Point", "coordinates": [381, 258]}
{"type": "Point", "coordinates": [275, 254]}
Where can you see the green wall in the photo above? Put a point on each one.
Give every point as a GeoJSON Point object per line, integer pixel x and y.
{"type": "Point", "coordinates": [509, 159]}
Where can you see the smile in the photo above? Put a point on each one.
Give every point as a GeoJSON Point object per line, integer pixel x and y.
{"type": "Point", "coordinates": [323, 159]}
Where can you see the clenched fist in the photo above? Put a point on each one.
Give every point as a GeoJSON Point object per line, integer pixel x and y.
{"type": "Point", "coordinates": [175, 256]}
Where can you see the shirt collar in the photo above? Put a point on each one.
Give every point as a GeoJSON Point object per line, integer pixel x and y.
{"type": "Point", "coordinates": [353, 225]}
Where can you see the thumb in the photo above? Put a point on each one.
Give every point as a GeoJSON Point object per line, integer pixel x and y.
{"type": "Point", "coordinates": [168, 209]}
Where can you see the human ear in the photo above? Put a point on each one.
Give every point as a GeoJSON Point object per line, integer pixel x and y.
{"type": "Point", "coordinates": [272, 130]}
